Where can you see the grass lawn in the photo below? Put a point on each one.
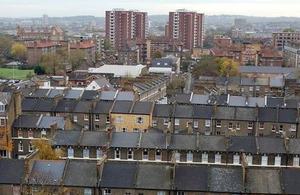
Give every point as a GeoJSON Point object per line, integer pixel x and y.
{"type": "Point", "coordinates": [9, 73]}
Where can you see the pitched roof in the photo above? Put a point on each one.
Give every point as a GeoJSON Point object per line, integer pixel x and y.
{"type": "Point", "coordinates": [183, 111]}
{"type": "Point", "coordinates": [212, 143]}
{"type": "Point", "coordinates": [81, 174]}
{"type": "Point", "coordinates": [94, 138]}
{"type": "Point", "coordinates": [263, 181]}
{"type": "Point", "coordinates": [202, 112]}
{"type": "Point", "coordinates": [66, 138]}
{"type": "Point", "coordinates": [83, 107]}
{"type": "Point", "coordinates": [142, 108]}
{"type": "Point", "coordinates": [125, 96]}
{"type": "Point", "coordinates": [294, 146]}
{"type": "Point", "coordinates": [183, 142]}
{"type": "Point", "coordinates": [125, 140]}
{"type": "Point", "coordinates": [153, 140]}
{"type": "Point", "coordinates": [191, 178]}
{"type": "Point", "coordinates": [12, 171]}
{"type": "Point", "coordinates": [233, 182]}
{"type": "Point", "coordinates": [242, 144]}
{"type": "Point", "coordinates": [89, 95]}
{"type": "Point", "coordinates": [291, 180]}
{"type": "Point", "coordinates": [47, 172]}
{"type": "Point", "coordinates": [122, 107]}
{"type": "Point", "coordinates": [108, 95]}
{"type": "Point", "coordinates": [119, 175]}
{"type": "Point", "coordinates": [225, 113]}
{"type": "Point", "coordinates": [103, 107]}
{"type": "Point", "coordinates": [65, 105]}
{"type": "Point", "coordinates": [153, 176]}
{"type": "Point", "coordinates": [26, 121]}
{"type": "Point", "coordinates": [163, 110]}
{"type": "Point", "coordinates": [268, 145]}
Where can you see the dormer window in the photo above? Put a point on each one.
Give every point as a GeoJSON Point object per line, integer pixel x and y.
{"type": "Point", "coordinates": [2, 107]}
{"type": "Point", "coordinates": [20, 133]}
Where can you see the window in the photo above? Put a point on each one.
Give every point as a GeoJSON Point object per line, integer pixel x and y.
{"type": "Point", "coordinates": [218, 158]}
{"type": "Point", "coordinates": [2, 107]}
{"type": "Point", "coordinates": [293, 127]}
{"type": "Point", "coordinates": [70, 152]}
{"type": "Point", "coordinates": [204, 158]}
{"type": "Point", "coordinates": [75, 118]}
{"type": "Point", "coordinates": [250, 88]}
{"type": "Point", "coordinates": [139, 120]}
{"type": "Point", "coordinates": [99, 153]}
{"type": "Point", "coordinates": [177, 121]}
{"type": "Point", "coordinates": [180, 193]}
{"type": "Point", "coordinates": [280, 128]}
{"type": "Point", "coordinates": [154, 123]}
{"type": "Point", "coordinates": [249, 159]}
{"type": "Point", "coordinates": [158, 155]}
{"type": "Point", "coordinates": [107, 192]}
{"type": "Point", "coordinates": [86, 153]}
{"type": "Point", "coordinates": [166, 121]}
{"type": "Point", "coordinates": [127, 193]}
{"type": "Point", "coordinates": [124, 129]}
{"type": "Point", "coordinates": [189, 157]}
{"type": "Point", "coordinates": [107, 119]}
{"type": "Point", "coordinates": [3, 153]}
{"type": "Point", "coordinates": [20, 133]}
{"type": "Point", "coordinates": [145, 154]}
{"type": "Point", "coordinates": [87, 191]}
{"type": "Point", "coordinates": [119, 119]}
{"type": "Point", "coordinates": [177, 156]}
{"type": "Point", "coordinates": [277, 160]}
{"type": "Point", "coordinates": [237, 126]}
{"type": "Point", "coordinates": [196, 124]}
{"type": "Point", "coordinates": [261, 125]}
{"type": "Point", "coordinates": [30, 134]}
{"type": "Point", "coordinates": [296, 161]}
{"type": "Point", "coordinates": [218, 124]}
{"type": "Point", "coordinates": [86, 117]}
{"type": "Point", "coordinates": [264, 160]}
{"type": "Point", "coordinates": [207, 123]}
{"type": "Point", "coordinates": [273, 128]}
{"type": "Point", "coordinates": [20, 147]}
{"type": "Point", "coordinates": [97, 117]}
{"type": "Point", "coordinates": [130, 154]}
{"type": "Point", "coordinates": [2, 122]}
{"type": "Point", "coordinates": [250, 125]}
{"type": "Point", "coordinates": [161, 193]}
{"type": "Point", "coordinates": [236, 159]}
{"type": "Point", "coordinates": [30, 147]}
{"type": "Point", "coordinates": [230, 126]}
{"type": "Point", "coordinates": [117, 154]}
{"type": "Point", "coordinates": [43, 133]}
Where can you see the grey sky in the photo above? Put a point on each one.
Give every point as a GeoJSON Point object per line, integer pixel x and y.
{"type": "Point", "coordinates": [31, 8]}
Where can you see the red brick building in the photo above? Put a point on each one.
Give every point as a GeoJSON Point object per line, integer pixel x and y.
{"type": "Point", "coordinates": [36, 49]}
{"type": "Point", "coordinates": [123, 26]}
{"type": "Point", "coordinates": [186, 27]}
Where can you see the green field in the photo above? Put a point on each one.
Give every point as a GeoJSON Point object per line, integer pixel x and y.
{"type": "Point", "coordinates": [9, 73]}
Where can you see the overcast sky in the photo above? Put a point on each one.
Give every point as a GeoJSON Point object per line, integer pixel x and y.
{"type": "Point", "coordinates": [36, 8]}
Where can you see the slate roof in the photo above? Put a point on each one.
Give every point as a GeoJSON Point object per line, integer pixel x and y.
{"type": "Point", "coordinates": [242, 144]}
{"type": "Point", "coordinates": [212, 143]}
{"type": "Point", "coordinates": [191, 178]}
{"type": "Point", "coordinates": [263, 181]}
{"type": "Point", "coordinates": [182, 98]}
{"type": "Point", "coordinates": [108, 95]}
{"type": "Point", "coordinates": [103, 107]}
{"type": "Point", "coordinates": [153, 176]}
{"type": "Point", "coordinates": [183, 142]}
{"type": "Point", "coordinates": [12, 171]}
{"type": "Point", "coordinates": [28, 104]}
{"type": "Point", "coordinates": [266, 69]}
{"type": "Point", "coordinates": [55, 93]}
{"type": "Point", "coordinates": [119, 175]}
{"type": "Point", "coordinates": [275, 102]}
{"type": "Point", "coordinates": [268, 145]}
{"type": "Point", "coordinates": [81, 174]}
{"type": "Point", "coordinates": [26, 121]}
{"type": "Point", "coordinates": [245, 114]}
{"type": "Point", "coordinates": [153, 140]}
{"type": "Point", "coordinates": [94, 138]}
{"type": "Point", "coordinates": [225, 113]}
{"type": "Point", "coordinates": [122, 107]}
{"type": "Point", "coordinates": [47, 172]}
{"type": "Point", "coordinates": [47, 121]}
{"type": "Point", "coordinates": [73, 94]}
{"type": "Point", "coordinates": [291, 180]}
{"type": "Point", "coordinates": [44, 105]}
{"type": "Point", "coordinates": [89, 95]}
{"type": "Point", "coordinates": [163, 110]}
{"type": "Point", "coordinates": [83, 107]}
{"type": "Point", "coordinates": [66, 138]}
{"type": "Point", "coordinates": [183, 111]}
{"type": "Point", "coordinates": [233, 182]}
{"type": "Point", "coordinates": [277, 115]}
{"type": "Point", "coordinates": [199, 99]}
{"type": "Point", "coordinates": [142, 108]}
{"type": "Point", "coordinates": [125, 140]}
{"type": "Point", "coordinates": [65, 105]}
{"type": "Point", "coordinates": [125, 96]}
{"type": "Point", "coordinates": [202, 112]}
{"type": "Point", "coordinates": [294, 146]}
{"type": "Point", "coordinates": [40, 93]}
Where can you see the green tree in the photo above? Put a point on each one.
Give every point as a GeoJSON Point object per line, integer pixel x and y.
{"type": "Point", "coordinates": [46, 152]}
{"type": "Point", "coordinates": [107, 45]}
{"type": "Point", "coordinates": [52, 63]}
{"type": "Point", "coordinates": [207, 66]}
{"type": "Point", "coordinates": [175, 86]}
{"type": "Point", "coordinates": [77, 57]}
{"type": "Point", "coordinates": [39, 70]}
{"type": "Point", "coordinates": [19, 51]}
{"type": "Point", "coordinates": [228, 67]}
{"type": "Point", "coordinates": [6, 43]}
